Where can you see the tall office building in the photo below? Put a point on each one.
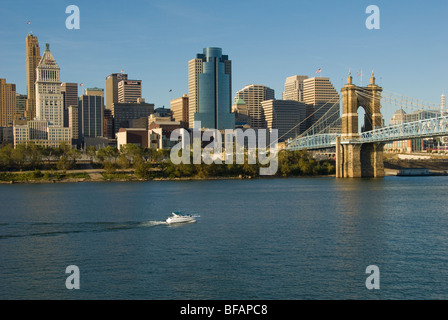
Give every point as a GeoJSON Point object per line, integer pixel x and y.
{"type": "Point", "coordinates": [7, 103]}
{"type": "Point", "coordinates": [214, 86]}
{"type": "Point", "coordinates": [32, 61]}
{"type": "Point", "coordinates": [124, 113]}
{"type": "Point", "coordinates": [94, 92]}
{"type": "Point", "coordinates": [108, 124]}
{"type": "Point", "coordinates": [112, 88]}
{"type": "Point", "coordinates": [253, 95]}
{"type": "Point", "coordinates": [129, 91]}
{"type": "Point", "coordinates": [70, 95]}
{"type": "Point", "coordinates": [73, 122]}
{"type": "Point", "coordinates": [242, 119]}
{"type": "Point", "coordinates": [294, 88]}
{"type": "Point", "coordinates": [285, 116]}
{"type": "Point", "coordinates": [47, 129]}
{"type": "Point", "coordinates": [49, 98]}
{"type": "Point", "coordinates": [323, 97]}
{"type": "Point", "coordinates": [179, 107]}
{"type": "Point", "coordinates": [41, 133]}
{"type": "Point", "coordinates": [21, 104]}
{"type": "Point", "coordinates": [194, 69]}
{"type": "Point", "coordinates": [91, 116]}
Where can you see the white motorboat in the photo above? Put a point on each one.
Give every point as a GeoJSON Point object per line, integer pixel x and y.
{"type": "Point", "coordinates": [180, 218]}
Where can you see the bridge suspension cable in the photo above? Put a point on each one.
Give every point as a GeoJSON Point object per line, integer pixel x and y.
{"type": "Point", "coordinates": [401, 101]}
{"type": "Point", "coordinates": [313, 113]}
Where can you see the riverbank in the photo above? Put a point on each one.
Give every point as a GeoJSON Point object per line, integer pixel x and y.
{"type": "Point", "coordinates": [435, 166]}
{"type": "Point", "coordinates": [100, 175]}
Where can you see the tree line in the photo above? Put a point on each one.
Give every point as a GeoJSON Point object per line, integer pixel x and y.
{"type": "Point", "coordinates": [149, 163]}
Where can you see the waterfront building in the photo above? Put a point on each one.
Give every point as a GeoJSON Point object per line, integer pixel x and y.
{"type": "Point", "coordinates": [179, 107]}
{"type": "Point", "coordinates": [91, 116]}
{"type": "Point", "coordinates": [108, 124]}
{"type": "Point", "coordinates": [323, 97]}
{"type": "Point", "coordinates": [32, 61]}
{"type": "Point", "coordinates": [242, 119]}
{"type": "Point", "coordinates": [411, 145]}
{"type": "Point", "coordinates": [294, 88]}
{"type": "Point", "coordinates": [73, 122]}
{"type": "Point", "coordinates": [213, 90]}
{"type": "Point", "coordinates": [112, 88]}
{"type": "Point", "coordinates": [40, 132]}
{"type": "Point", "coordinates": [94, 92]}
{"type": "Point", "coordinates": [47, 129]}
{"type": "Point", "coordinates": [70, 95]}
{"type": "Point", "coordinates": [7, 103]}
{"type": "Point", "coordinates": [21, 104]}
{"type": "Point", "coordinates": [253, 95]}
{"type": "Point", "coordinates": [49, 97]}
{"type": "Point", "coordinates": [129, 91]}
{"type": "Point", "coordinates": [285, 115]}
{"type": "Point", "coordinates": [163, 112]}
{"type": "Point", "coordinates": [123, 112]}
{"type": "Point", "coordinates": [6, 135]}
{"type": "Point", "coordinates": [194, 69]}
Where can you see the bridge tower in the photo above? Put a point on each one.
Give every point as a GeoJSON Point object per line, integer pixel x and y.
{"type": "Point", "coordinates": [353, 159]}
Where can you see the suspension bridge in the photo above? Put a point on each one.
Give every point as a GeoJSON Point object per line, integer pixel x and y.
{"type": "Point", "coordinates": [359, 152]}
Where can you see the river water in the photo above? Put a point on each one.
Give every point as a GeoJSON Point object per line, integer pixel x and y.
{"type": "Point", "coordinates": [295, 238]}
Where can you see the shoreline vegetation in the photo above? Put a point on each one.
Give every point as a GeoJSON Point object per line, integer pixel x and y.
{"type": "Point", "coordinates": [35, 164]}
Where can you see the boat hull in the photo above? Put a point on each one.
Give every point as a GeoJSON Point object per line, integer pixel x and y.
{"type": "Point", "coordinates": [180, 220]}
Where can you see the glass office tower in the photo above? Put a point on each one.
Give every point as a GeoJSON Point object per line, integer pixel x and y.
{"type": "Point", "coordinates": [214, 105]}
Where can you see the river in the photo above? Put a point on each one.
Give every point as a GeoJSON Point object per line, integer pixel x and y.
{"type": "Point", "coordinates": [285, 239]}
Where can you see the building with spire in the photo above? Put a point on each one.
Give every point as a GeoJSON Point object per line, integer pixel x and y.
{"type": "Point", "coordinates": [32, 61]}
{"type": "Point", "coordinates": [47, 128]}
{"type": "Point", "coordinates": [49, 98]}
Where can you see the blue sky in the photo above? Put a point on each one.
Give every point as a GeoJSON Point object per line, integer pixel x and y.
{"type": "Point", "coordinates": [267, 41]}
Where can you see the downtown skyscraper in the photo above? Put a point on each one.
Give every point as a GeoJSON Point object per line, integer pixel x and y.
{"type": "Point", "coordinates": [47, 128]}
{"type": "Point", "coordinates": [294, 88]}
{"type": "Point", "coordinates": [49, 98]}
{"type": "Point", "coordinates": [32, 61]}
{"type": "Point", "coordinates": [253, 95]}
{"type": "Point", "coordinates": [7, 103]}
{"type": "Point", "coordinates": [323, 97]}
{"type": "Point", "coordinates": [210, 90]}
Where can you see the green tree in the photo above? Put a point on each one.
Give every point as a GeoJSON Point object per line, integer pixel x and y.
{"type": "Point", "coordinates": [142, 169]}
{"type": "Point", "coordinates": [131, 151]}
{"type": "Point", "coordinates": [73, 155]}
{"type": "Point", "coordinates": [108, 154]}
{"type": "Point", "coordinates": [34, 155]}
{"type": "Point", "coordinates": [91, 152]}
{"type": "Point", "coordinates": [6, 161]}
{"type": "Point", "coordinates": [18, 156]}
{"type": "Point", "coordinates": [110, 167]}
{"type": "Point", "coordinates": [63, 163]}
{"type": "Point", "coordinates": [123, 162]}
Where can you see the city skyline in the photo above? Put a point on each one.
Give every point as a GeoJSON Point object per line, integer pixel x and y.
{"type": "Point", "coordinates": [404, 53]}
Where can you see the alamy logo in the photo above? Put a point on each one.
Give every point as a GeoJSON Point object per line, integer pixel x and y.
{"type": "Point", "coordinates": [234, 140]}
{"type": "Point", "coordinates": [72, 21]}
{"type": "Point", "coordinates": [72, 281]}
{"type": "Point", "coordinates": [373, 280]}
{"type": "Point", "coordinates": [373, 21]}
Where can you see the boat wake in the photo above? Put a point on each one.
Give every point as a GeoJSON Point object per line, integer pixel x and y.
{"type": "Point", "coordinates": [152, 223]}
{"type": "Point", "coordinates": [45, 229]}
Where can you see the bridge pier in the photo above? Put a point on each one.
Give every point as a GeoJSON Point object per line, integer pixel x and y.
{"type": "Point", "coordinates": [354, 159]}
{"type": "Point", "coordinates": [359, 160]}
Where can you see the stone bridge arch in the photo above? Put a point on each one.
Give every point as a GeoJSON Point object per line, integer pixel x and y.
{"type": "Point", "coordinates": [353, 159]}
